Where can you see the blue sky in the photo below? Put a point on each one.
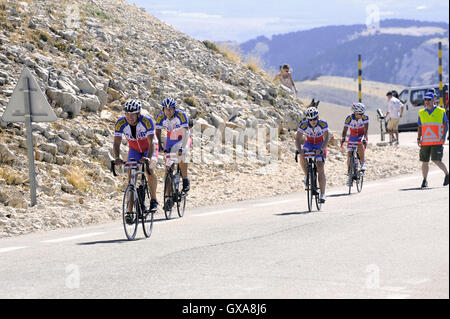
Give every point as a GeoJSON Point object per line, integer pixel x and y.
{"type": "Point", "coordinates": [240, 20]}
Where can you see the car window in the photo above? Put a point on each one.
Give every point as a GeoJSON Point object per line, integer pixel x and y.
{"type": "Point", "coordinates": [403, 96]}
{"type": "Point", "coordinates": [417, 97]}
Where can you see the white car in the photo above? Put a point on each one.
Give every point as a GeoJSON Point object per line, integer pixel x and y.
{"type": "Point", "coordinates": [412, 98]}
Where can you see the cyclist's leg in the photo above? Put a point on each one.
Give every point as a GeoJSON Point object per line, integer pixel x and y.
{"type": "Point", "coordinates": [304, 165]}
{"type": "Point", "coordinates": [132, 154]}
{"type": "Point", "coordinates": [321, 174]}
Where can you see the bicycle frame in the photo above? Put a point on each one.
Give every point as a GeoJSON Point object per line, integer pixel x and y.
{"type": "Point", "coordinates": [312, 182]}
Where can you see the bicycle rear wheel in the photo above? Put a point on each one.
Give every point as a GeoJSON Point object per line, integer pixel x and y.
{"type": "Point", "coordinates": [147, 215]}
{"type": "Point", "coordinates": [130, 212]}
{"type": "Point", "coordinates": [168, 196]}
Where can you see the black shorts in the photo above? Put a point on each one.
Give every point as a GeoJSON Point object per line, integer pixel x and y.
{"type": "Point", "coordinates": [436, 153]}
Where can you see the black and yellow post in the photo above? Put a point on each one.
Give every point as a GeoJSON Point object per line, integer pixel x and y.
{"type": "Point", "coordinates": [441, 94]}
{"type": "Point", "coordinates": [359, 78]}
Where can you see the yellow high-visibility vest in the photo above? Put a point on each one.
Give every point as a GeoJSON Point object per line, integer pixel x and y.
{"type": "Point", "coordinates": [432, 126]}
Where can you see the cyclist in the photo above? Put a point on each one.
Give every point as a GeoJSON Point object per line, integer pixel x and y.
{"type": "Point", "coordinates": [358, 123]}
{"type": "Point", "coordinates": [139, 131]}
{"type": "Point", "coordinates": [179, 139]}
{"type": "Point", "coordinates": [317, 137]}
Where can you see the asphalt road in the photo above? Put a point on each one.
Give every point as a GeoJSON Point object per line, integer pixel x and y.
{"type": "Point", "coordinates": [390, 241]}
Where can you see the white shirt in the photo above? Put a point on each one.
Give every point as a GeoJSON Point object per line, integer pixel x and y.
{"type": "Point", "coordinates": [394, 106]}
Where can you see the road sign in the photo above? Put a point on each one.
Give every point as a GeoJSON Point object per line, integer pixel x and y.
{"type": "Point", "coordinates": [27, 88]}
{"type": "Point", "coordinates": [28, 104]}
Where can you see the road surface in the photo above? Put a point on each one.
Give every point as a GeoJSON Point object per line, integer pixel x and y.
{"type": "Point", "coordinates": [390, 241]}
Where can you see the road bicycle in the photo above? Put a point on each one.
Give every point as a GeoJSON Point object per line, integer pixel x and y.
{"type": "Point", "coordinates": [311, 182]}
{"type": "Point", "coordinates": [173, 191]}
{"type": "Point", "coordinates": [133, 210]}
{"type": "Point", "coordinates": [355, 174]}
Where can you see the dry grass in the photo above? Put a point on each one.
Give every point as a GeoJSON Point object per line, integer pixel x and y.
{"type": "Point", "coordinates": [230, 53]}
{"type": "Point", "coordinates": [79, 178]}
{"type": "Point", "coordinates": [10, 176]}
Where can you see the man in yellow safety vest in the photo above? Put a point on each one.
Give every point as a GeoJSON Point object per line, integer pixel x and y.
{"type": "Point", "coordinates": [433, 127]}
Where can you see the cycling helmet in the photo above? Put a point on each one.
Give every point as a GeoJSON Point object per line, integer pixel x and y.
{"type": "Point", "coordinates": [358, 108]}
{"type": "Point", "coordinates": [132, 106]}
{"type": "Point", "coordinates": [168, 102]}
{"type": "Point", "coordinates": [312, 113]}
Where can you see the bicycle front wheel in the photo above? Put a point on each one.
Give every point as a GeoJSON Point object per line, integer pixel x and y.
{"type": "Point", "coordinates": [351, 173]}
{"type": "Point", "coordinates": [317, 192]}
{"type": "Point", "coordinates": [130, 212]}
{"type": "Point", "coordinates": [181, 204]}
{"type": "Point", "coordinates": [359, 182]}
{"type": "Point", "coordinates": [309, 189]}
{"type": "Point", "coordinates": [147, 215]}
{"type": "Point", "coordinates": [168, 196]}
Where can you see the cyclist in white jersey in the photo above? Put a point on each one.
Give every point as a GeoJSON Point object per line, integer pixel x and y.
{"type": "Point", "coordinates": [179, 139]}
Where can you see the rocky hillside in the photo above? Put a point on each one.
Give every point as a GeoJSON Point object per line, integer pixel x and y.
{"type": "Point", "coordinates": [404, 52]}
{"type": "Point", "coordinates": [89, 56]}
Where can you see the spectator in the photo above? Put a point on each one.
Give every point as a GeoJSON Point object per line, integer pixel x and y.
{"type": "Point", "coordinates": [393, 115]}
{"type": "Point", "coordinates": [285, 78]}
{"type": "Point", "coordinates": [433, 127]}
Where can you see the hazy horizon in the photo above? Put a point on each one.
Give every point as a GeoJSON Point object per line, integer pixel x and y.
{"type": "Point", "coordinates": [239, 21]}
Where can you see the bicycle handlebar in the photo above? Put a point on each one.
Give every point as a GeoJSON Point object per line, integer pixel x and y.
{"type": "Point", "coordinates": [131, 163]}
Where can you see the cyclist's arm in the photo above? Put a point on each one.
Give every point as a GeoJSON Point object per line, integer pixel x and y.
{"type": "Point", "coordinates": [185, 138]}
{"type": "Point", "coordinates": [326, 139]}
{"type": "Point", "coordinates": [158, 136]}
{"type": "Point", "coordinates": [116, 147]}
{"type": "Point", "coordinates": [151, 146]}
{"type": "Point", "coordinates": [344, 133]}
{"type": "Point", "coordinates": [298, 141]}
{"type": "Point", "coordinates": [276, 77]}
{"type": "Point", "coordinates": [366, 131]}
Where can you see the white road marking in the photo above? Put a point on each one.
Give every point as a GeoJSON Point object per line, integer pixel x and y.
{"type": "Point", "coordinates": [72, 237]}
{"type": "Point", "coordinates": [7, 249]}
{"type": "Point", "coordinates": [418, 281]}
{"type": "Point", "coordinates": [218, 212]}
{"type": "Point", "coordinates": [274, 203]}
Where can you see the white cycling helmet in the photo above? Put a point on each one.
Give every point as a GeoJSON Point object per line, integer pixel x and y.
{"type": "Point", "coordinates": [169, 102]}
{"type": "Point", "coordinates": [312, 113]}
{"type": "Point", "coordinates": [132, 106]}
{"type": "Point", "coordinates": [358, 108]}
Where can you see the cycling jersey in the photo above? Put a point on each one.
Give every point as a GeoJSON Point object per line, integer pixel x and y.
{"type": "Point", "coordinates": [356, 126]}
{"type": "Point", "coordinates": [137, 141]}
{"type": "Point", "coordinates": [313, 135]}
{"type": "Point", "coordinates": [174, 126]}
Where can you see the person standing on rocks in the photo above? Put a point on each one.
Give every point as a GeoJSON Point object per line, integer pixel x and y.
{"type": "Point", "coordinates": [433, 127]}
{"type": "Point", "coordinates": [285, 78]}
{"type": "Point", "coordinates": [317, 138]}
{"type": "Point", "coordinates": [394, 113]}
{"type": "Point", "coordinates": [139, 130]}
{"type": "Point", "coordinates": [179, 139]}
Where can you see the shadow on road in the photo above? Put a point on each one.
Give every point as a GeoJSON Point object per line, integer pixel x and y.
{"type": "Point", "coordinates": [295, 213]}
{"type": "Point", "coordinates": [417, 189]}
{"type": "Point", "coordinates": [112, 241]}
{"type": "Point", "coordinates": [338, 195]}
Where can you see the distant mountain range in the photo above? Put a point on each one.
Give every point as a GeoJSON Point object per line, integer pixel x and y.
{"type": "Point", "coordinates": [400, 51]}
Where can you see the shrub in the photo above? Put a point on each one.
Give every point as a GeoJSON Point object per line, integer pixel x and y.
{"type": "Point", "coordinates": [211, 45]}
{"type": "Point", "coordinates": [190, 100]}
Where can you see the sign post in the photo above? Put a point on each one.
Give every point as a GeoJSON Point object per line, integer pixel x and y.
{"type": "Point", "coordinates": [28, 104]}
{"type": "Point", "coordinates": [359, 79]}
